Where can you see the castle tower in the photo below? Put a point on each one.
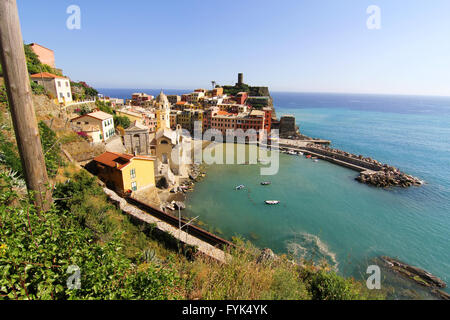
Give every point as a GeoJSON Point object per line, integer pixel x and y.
{"type": "Point", "coordinates": [240, 78]}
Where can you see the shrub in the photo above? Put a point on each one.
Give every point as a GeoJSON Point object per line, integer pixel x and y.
{"type": "Point", "coordinates": [36, 251]}
{"type": "Point", "coordinates": [104, 106]}
{"type": "Point", "coordinates": [122, 121]}
{"type": "Point", "coordinates": [327, 285]}
{"type": "Point", "coordinates": [51, 149]}
{"type": "Point", "coordinates": [36, 88]}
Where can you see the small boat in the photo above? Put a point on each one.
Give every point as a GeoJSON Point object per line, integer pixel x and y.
{"type": "Point", "coordinates": [292, 152]}
{"type": "Point", "coordinates": [265, 183]}
{"type": "Point", "coordinates": [316, 160]}
{"type": "Point", "coordinates": [239, 187]}
{"type": "Point", "coordinates": [272, 202]}
{"type": "Point", "coordinates": [308, 156]}
{"type": "Point", "coordinates": [300, 153]}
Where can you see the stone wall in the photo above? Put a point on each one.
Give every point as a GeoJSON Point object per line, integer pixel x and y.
{"type": "Point", "coordinates": [349, 159]}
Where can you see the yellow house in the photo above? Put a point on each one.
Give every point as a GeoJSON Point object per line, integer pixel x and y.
{"type": "Point", "coordinates": [124, 172]}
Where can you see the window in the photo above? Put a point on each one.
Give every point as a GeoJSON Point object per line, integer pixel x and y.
{"type": "Point", "coordinates": [68, 94]}
{"type": "Point", "coordinates": [59, 84]}
{"type": "Point", "coordinates": [61, 95]}
{"type": "Point", "coordinates": [134, 186]}
{"type": "Point", "coordinates": [67, 83]}
{"type": "Point", "coordinates": [133, 173]}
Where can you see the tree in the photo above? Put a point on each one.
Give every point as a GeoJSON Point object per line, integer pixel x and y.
{"type": "Point", "coordinates": [122, 121]}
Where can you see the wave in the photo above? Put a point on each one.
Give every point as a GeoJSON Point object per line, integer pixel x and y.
{"type": "Point", "coordinates": [306, 246]}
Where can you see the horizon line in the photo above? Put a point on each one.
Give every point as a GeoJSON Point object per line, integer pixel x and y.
{"type": "Point", "coordinates": [303, 92]}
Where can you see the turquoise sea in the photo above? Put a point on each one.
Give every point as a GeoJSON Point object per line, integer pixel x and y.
{"type": "Point", "coordinates": [324, 213]}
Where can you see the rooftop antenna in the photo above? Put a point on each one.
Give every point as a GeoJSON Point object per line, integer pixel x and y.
{"type": "Point", "coordinates": [213, 84]}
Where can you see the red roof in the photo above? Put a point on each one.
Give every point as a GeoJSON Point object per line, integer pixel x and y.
{"type": "Point", "coordinates": [118, 160]}
{"type": "Point", "coordinates": [114, 160]}
{"type": "Point", "coordinates": [46, 75]}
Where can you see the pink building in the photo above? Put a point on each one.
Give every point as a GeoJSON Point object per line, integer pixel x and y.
{"type": "Point", "coordinates": [46, 56]}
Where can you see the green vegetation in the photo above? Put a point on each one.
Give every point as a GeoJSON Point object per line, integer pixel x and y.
{"type": "Point", "coordinates": [122, 121]}
{"type": "Point", "coordinates": [104, 106]}
{"type": "Point", "coordinates": [34, 64]}
{"type": "Point", "coordinates": [50, 146]}
{"type": "Point", "coordinates": [234, 90]}
{"type": "Point", "coordinates": [37, 250]}
{"type": "Point", "coordinates": [121, 259]}
{"type": "Point", "coordinates": [252, 91]}
{"type": "Point", "coordinates": [82, 91]}
{"type": "Point", "coordinates": [3, 95]}
{"type": "Point", "coordinates": [37, 89]}
{"type": "Point", "coordinates": [9, 155]}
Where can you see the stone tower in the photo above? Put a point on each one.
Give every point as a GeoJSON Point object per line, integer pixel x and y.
{"type": "Point", "coordinates": [162, 111]}
{"type": "Point", "coordinates": [240, 78]}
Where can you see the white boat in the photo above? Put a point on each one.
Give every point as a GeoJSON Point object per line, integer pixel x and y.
{"type": "Point", "coordinates": [239, 187]}
{"type": "Point", "coordinates": [265, 183]}
{"type": "Point", "coordinates": [292, 152]}
{"type": "Point", "coordinates": [300, 153]}
{"type": "Point", "coordinates": [272, 202]}
{"type": "Point", "coordinates": [316, 160]}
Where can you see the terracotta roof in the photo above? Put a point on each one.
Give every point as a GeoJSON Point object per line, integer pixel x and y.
{"type": "Point", "coordinates": [118, 160]}
{"type": "Point", "coordinates": [114, 160]}
{"type": "Point", "coordinates": [181, 102]}
{"type": "Point", "coordinates": [224, 113]}
{"type": "Point", "coordinates": [46, 75]}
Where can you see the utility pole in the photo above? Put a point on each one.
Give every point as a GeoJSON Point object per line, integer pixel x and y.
{"type": "Point", "coordinates": [21, 105]}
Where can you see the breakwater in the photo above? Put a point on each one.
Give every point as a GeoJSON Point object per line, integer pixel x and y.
{"type": "Point", "coordinates": [371, 171]}
{"type": "Point", "coordinates": [377, 173]}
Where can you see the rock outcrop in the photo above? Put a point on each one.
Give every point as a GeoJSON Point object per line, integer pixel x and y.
{"type": "Point", "coordinates": [415, 274]}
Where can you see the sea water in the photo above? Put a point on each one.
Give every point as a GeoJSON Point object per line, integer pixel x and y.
{"type": "Point", "coordinates": [323, 212]}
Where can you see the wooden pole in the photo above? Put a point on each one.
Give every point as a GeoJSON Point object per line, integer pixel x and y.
{"type": "Point", "coordinates": [21, 105]}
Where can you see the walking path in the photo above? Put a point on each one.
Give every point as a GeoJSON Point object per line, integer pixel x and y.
{"type": "Point", "coordinates": [184, 237]}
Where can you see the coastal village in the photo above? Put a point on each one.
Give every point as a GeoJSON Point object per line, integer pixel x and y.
{"type": "Point", "coordinates": [138, 148]}
{"type": "Point", "coordinates": [139, 134]}
{"type": "Point", "coordinates": [128, 145]}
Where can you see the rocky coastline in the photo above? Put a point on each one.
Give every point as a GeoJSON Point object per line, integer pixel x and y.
{"type": "Point", "coordinates": [377, 173]}
{"type": "Point", "coordinates": [178, 197]}
{"type": "Point", "coordinates": [417, 275]}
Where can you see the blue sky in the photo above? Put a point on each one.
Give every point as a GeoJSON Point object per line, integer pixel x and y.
{"type": "Point", "coordinates": [289, 45]}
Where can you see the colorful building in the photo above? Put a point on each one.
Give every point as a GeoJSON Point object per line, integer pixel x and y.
{"type": "Point", "coordinates": [162, 107]}
{"type": "Point", "coordinates": [58, 86]}
{"type": "Point", "coordinates": [45, 55]}
{"type": "Point", "coordinates": [124, 172]}
{"type": "Point", "coordinates": [98, 118]}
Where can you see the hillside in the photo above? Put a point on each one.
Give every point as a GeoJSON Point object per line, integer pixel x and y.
{"type": "Point", "coordinates": [119, 259]}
